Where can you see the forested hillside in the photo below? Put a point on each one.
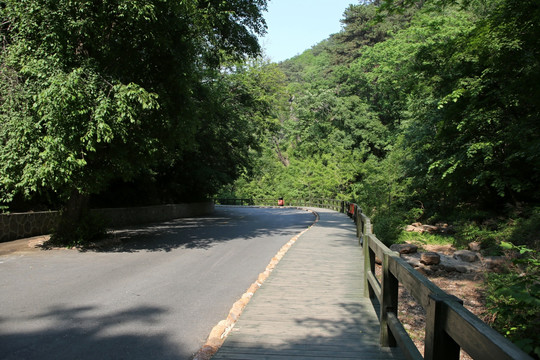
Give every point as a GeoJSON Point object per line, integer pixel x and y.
{"type": "Point", "coordinates": [427, 111]}
{"type": "Point", "coordinates": [424, 111]}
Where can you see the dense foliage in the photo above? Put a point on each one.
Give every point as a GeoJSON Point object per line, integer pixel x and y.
{"type": "Point", "coordinates": [514, 299]}
{"type": "Point", "coordinates": [123, 94]}
{"type": "Point", "coordinates": [430, 110]}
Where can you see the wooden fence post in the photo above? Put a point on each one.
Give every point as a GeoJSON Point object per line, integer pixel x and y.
{"type": "Point", "coordinates": [389, 288]}
{"type": "Point", "coordinates": [368, 229]}
{"type": "Point", "coordinates": [358, 222]}
{"type": "Point", "coordinates": [369, 266]}
{"type": "Point", "coordinates": [438, 344]}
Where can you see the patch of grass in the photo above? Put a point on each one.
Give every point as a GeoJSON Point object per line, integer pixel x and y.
{"type": "Point", "coordinates": [424, 238]}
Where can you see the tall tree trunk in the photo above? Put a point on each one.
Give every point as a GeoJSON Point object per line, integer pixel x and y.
{"type": "Point", "coordinates": [73, 214]}
{"type": "Point", "coordinates": [283, 159]}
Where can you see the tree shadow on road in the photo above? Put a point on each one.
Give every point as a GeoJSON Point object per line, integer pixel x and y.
{"type": "Point", "coordinates": [204, 232]}
{"type": "Point", "coordinates": [85, 332]}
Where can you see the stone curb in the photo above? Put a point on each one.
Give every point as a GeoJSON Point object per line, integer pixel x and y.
{"type": "Point", "coordinates": [223, 328]}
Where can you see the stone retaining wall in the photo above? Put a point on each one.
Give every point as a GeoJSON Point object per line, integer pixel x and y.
{"type": "Point", "coordinates": [21, 225]}
{"type": "Point", "coordinates": [118, 217]}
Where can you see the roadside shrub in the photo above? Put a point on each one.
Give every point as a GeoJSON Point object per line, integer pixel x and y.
{"type": "Point", "coordinates": [388, 225]}
{"type": "Point", "coordinates": [514, 299]}
{"type": "Point", "coordinates": [90, 227]}
{"type": "Point", "coordinates": [489, 236]}
{"type": "Point", "coordinates": [526, 230]}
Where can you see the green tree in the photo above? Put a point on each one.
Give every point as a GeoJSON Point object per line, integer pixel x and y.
{"type": "Point", "coordinates": [362, 28]}
{"type": "Point", "coordinates": [94, 91]}
{"type": "Point", "coordinates": [242, 105]}
{"type": "Point", "coordinates": [475, 133]}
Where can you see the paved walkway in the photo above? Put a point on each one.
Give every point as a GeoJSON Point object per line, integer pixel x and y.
{"type": "Point", "coordinates": [312, 305]}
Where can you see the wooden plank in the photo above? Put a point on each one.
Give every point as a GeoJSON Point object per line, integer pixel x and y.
{"type": "Point", "coordinates": [375, 285]}
{"type": "Point", "coordinates": [389, 303]}
{"type": "Point", "coordinates": [277, 343]}
{"type": "Point", "coordinates": [369, 268]}
{"type": "Point", "coordinates": [308, 353]}
{"type": "Point", "coordinates": [403, 339]}
{"type": "Point", "coordinates": [366, 223]}
{"type": "Point", "coordinates": [419, 286]}
{"type": "Point", "coordinates": [438, 344]}
{"type": "Point", "coordinates": [377, 246]}
{"type": "Point", "coordinates": [276, 356]}
{"type": "Point", "coordinates": [477, 338]}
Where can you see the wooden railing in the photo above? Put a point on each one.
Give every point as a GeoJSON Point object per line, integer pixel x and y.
{"type": "Point", "coordinates": [449, 326]}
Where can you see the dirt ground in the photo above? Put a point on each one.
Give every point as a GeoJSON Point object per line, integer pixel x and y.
{"type": "Point", "coordinates": [469, 287]}
{"type": "Point", "coordinates": [27, 245]}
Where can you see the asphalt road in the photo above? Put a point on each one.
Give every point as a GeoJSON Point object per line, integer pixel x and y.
{"type": "Point", "coordinates": [155, 294]}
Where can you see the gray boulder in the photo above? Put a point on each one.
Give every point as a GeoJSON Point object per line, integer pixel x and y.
{"type": "Point", "coordinates": [404, 248]}
{"type": "Point", "coordinates": [466, 255]}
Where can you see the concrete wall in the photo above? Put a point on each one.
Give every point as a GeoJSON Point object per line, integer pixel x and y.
{"type": "Point", "coordinates": [21, 225]}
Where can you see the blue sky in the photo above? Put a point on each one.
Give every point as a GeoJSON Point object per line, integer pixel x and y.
{"type": "Point", "coordinates": [297, 25]}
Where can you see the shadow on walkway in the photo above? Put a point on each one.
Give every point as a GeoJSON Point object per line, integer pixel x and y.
{"type": "Point", "coordinates": [351, 334]}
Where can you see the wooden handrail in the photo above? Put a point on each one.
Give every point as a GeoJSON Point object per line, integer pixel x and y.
{"type": "Point", "coordinates": [449, 326]}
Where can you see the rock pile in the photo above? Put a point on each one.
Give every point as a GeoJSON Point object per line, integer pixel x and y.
{"type": "Point", "coordinates": [461, 261]}
{"type": "Point", "coordinates": [441, 228]}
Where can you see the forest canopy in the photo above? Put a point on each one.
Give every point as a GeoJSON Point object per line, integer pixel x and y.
{"type": "Point", "coordinates": [434, 104]}
{"type": "Point", "coordinates": [110, 97]}
{"type": "Point", "coordinates": [422, 109]}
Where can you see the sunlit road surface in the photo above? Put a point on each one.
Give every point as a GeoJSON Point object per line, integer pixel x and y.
{"type": "Point", "coordinates": [154, 294]}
